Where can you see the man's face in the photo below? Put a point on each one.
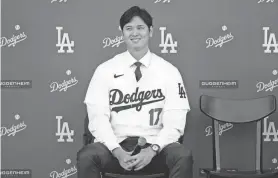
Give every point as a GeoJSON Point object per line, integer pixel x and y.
{"type": "Point", "coordinates": [136, 34]}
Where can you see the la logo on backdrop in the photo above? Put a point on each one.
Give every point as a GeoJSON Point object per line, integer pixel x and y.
{"type": "Point", "coordinates": [66, 172]}
{"type": "Point", "coordinates": [270, 132]}
{"type": "Point", "coordinates": [14, 129]}
{"type": "Point", "coordinates": [63, 130]}
{"type": "Point", "coordinates": [162, 1]}
{"type": "Point", "coordinates": [270, 43]}
{"type": "Point", "coordinates": [266, 1]}
{"type": "Point", "coordinates": [167, 42]}
{"type": "Point", "coordinates": [64, 42]}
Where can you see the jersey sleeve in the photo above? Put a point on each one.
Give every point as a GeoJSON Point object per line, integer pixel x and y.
{"type": "Point", "coordinates": [97, 101]}
{"type": "Point", "coordinates": [98, 90]}
{"type": "Point", "coordinates": [174, 111]}
{"type": "Point", "coordinates": [176, 96]}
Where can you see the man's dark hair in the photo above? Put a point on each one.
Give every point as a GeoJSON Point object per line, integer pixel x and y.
{"type": "Point", "coordinates": [136, 11]}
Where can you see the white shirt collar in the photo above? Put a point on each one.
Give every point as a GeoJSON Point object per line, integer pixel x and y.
{"type": "Point", "coordinates": [145, 60]}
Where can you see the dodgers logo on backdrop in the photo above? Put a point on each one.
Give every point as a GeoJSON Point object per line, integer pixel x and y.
{"type": "Point", "coordinates": [270, 132]}
{"type": "Point", "coordinates": [11, 131]}
{"type": "Point", "coordinates": [265, 1]}
{"type": "Point", "coordinates": [162, 1]}
{"type": "Point", "coordinates": [63, 86]}
{"type": "Point", "coordinates": [58, 1]}
{"type": "Point", "coordinates": [270, 42]}
{"type": "Point", "coordinates": [222, 128]}
{"type": "Point", "coordinates": [113, 42]}
{"type": "Point", "coordinates": [218, 42]}
{"type": "Point", "coordinates": [182, 92]}
{"type": "Point", "coordinates": [65, 173]}
{"type": "Point", "coordinates": [13, 40]}
{"type": "Point", "coordinates": [64, 130]}
{"type": "Point", "coordinates": [268, 86]}
{"type": "Point", "coordinates": [167, 42]}
{"type": "Point", "coordinates": [64, 41]}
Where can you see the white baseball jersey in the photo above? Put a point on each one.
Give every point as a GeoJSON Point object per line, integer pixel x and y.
{"type": "Point", "coordinates": [119, 106]}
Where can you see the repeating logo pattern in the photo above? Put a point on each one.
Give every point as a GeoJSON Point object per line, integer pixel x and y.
{"type": "Point", "coordinates": [218, 42]}
{"type": "Point", "coordinates": [113, 42]}
{"type": "Point", "coordinates": [270, 132]}
{"type": "Point", "coordinates": [14, 129]}
{"type": "Point", "coordinates": [220, 84]}
{"type": "Point", "coordinates": [63, 130]}
{"type": "Point", "coordinates": [270, 43]}
{"type": "Point", "coordinates": [261, 86]}
{"type": "Point", "coordinates": [167, 42]}
{"type": "Point", "coordinates": [63, 86]}
{"type": "Point", "coordinates": [64, 41]}
{"type": "Point", "coordinates": [266, 1]}
{"type": "Point", "coordinates": [16, 84]}
{"type": "Point", "coordinates": [162, 1]}
{"type": "Point", "coordinates": [65, 173]}
{"type": "Point", "coordinates": [58, 1]}
{"type": "Point", "coordinates": [11, 173]}
{"type": "Point", "coordinates": [12, 41]}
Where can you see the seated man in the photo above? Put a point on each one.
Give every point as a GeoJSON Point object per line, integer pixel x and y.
{"type": "Point", "coordinates": [136, 94]}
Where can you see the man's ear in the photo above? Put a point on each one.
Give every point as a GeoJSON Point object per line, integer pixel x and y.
{"type": "Point", "coordinates": [151, 31]}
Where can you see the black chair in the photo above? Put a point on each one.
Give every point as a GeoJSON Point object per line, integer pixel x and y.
{"type": "Point", "coordinates": [89, 138]}
{"type": "Point", "coordinates": [238, 111]}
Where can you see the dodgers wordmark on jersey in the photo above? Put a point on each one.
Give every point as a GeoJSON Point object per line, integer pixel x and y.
{"type": "Point", "coordinates": [118, 106]}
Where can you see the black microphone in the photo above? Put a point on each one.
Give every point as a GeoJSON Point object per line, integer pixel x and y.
{"type": "Point", "coordinates": [140, 144]}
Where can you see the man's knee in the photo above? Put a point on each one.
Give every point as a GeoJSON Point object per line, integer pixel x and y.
{"type": "Point", "coordinates": [178, 151]}
{"type": "Point", "coordinates": [94, 152]}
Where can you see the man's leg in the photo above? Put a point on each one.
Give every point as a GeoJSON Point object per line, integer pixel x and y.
{"type": "Point", "coordinates": [174, 157]}
{"type": "Point", "coordinates": [94, 158]}
{"type": "Point", "coordinates": [179, 161]}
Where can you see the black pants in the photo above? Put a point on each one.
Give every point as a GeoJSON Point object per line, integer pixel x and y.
{"type": "Point", "coordinates": [174, 159]}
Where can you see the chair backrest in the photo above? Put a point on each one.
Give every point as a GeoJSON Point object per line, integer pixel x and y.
{"type": "Point", "coordinates": [87, 136]}
{"type": "Point", "coordinates": [237, 111]}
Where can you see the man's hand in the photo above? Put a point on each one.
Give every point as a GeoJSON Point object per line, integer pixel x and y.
{"type": "Point", "coordinates": [142, 159]}
{"type": "Point", "coordinates": [124, 158]}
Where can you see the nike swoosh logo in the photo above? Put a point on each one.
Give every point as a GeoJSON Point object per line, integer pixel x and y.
{"type": "Point", "coordinates": [116, 76]}
{"type": "Point", "coordinates": [120, 108]}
